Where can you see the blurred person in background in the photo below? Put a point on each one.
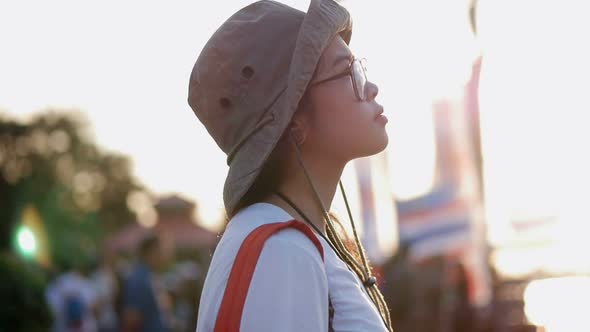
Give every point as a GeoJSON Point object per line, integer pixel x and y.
{"type": "Point", "coordinates": [399, 287]}
{"type": "Point", "coordinates": [187, 293]}
{"type": "Point", "coordinates": [106, 285]}
{"type": "Point", "coordinates": [428, 289]}
{"type": "Point", "coordinates": [73, 300]}
{"type": "Point", "coordinates": [145, 304]}
{"type": "Point", "coordinates": [463, 314]}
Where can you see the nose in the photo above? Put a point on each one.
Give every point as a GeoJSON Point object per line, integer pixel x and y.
{"type": "Point", "coordinates": [372, 90]}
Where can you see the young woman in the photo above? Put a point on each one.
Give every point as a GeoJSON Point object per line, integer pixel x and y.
{"type": "Point", "coordinates": [283, 96]}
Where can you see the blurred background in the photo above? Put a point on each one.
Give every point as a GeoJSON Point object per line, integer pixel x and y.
{"type": "Point", "coordinates": [473, 217]}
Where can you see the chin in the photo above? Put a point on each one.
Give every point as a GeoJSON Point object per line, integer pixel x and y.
{"type": "Point", "coordinates": [374, 146]}
{"type": "Point", "coordinates": [379, 140]}
{"type": "Point", "coordinates": [382, 144]}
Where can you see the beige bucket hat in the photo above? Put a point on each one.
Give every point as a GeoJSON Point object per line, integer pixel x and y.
{"type": "Point", "coordinates": [250, 76]}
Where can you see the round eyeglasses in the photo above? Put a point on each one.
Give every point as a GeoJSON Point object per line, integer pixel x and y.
{"type": "Point", "coordinates": [358, 73]}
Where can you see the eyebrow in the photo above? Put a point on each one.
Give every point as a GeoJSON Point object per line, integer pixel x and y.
{"type": "Point", "coordinates": [340, 58]}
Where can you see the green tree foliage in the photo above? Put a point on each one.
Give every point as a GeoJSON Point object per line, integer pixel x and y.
{"type": "Point", "coordinates": [79, 190]}
{"type": "Point", "coordinates": [23, 307]}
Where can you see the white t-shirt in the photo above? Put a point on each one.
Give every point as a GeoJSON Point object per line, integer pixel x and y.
{"type": "Point", "coordinates": [72, 284]}
{"type": "Point", "coordinates": [290, 286]}
{"type": "Point", "coordinates": [105, 288]}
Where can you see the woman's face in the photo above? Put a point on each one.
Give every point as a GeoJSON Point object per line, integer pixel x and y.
{"type": "Point", "coordinates": [339, 125]}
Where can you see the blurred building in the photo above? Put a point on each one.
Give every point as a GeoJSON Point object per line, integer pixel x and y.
{"type": "Point", "coordinates": [175, 223]}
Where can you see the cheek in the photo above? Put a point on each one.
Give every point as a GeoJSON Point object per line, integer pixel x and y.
{"type": "Point", "coordinates": [333, 117]}
{"type": "Point", "coordinates": [342, 126]}
{"type": "Point", "coordinates": [345, 128]}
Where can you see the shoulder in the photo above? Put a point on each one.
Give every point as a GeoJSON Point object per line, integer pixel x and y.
{"type": "Point", "coordinates": [286, 251]}
{"type": "Point", "coordinates": [287, 242]}
{"type": "Point", "coordinates": [289, 258]}
{"type": "Point", "coordinates": [293, 245]}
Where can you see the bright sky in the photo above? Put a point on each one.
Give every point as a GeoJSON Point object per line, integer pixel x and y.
{"type": "Point", "coordinates": [534, 110]}
{"type": "Point", "coordinates": [126, 65]}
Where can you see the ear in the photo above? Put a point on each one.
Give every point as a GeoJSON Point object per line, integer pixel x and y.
{"type": "Point", "coordinates": [298, 129]}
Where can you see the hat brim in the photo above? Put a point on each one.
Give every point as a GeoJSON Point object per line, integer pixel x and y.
{"type": "Point", "coordinates": [323, 21]}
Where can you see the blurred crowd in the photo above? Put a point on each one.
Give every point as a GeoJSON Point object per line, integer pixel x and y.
{"type": "Point", "coordinates": [151, 290]}
{"type": "Point", "coordinates": [142, 293]}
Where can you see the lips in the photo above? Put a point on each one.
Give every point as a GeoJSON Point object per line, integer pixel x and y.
{"type": "Point", "coordinates": [379, 113]}
{"type": "Point", "coordinates": [379, 117]}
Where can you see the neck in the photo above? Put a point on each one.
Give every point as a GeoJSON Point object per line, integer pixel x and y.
{"type": "Point", "coordinates": [297, 188]}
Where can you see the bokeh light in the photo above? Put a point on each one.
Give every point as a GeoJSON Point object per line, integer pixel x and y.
{"type": "Point", "coordinates": [26, 241]}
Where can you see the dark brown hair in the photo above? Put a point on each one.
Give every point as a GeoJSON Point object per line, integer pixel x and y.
{"type": "Point", "coordinates": [148, 244]}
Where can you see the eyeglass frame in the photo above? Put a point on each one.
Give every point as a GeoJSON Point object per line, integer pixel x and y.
{"type": "Point", "coordinates": [349, 72]}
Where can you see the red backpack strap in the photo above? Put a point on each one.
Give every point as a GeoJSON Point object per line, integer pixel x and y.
{"type": "Point", "coordinates": [230, 311]}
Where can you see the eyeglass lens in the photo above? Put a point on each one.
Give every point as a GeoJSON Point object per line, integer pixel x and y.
{"type": "Point", "coordinates": [360, 78]}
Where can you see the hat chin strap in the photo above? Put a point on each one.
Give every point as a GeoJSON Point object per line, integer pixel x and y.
{"type": "Point", "coordinates": [364, 268]}
{"type": "Point", "coordinates": [369, 281]}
